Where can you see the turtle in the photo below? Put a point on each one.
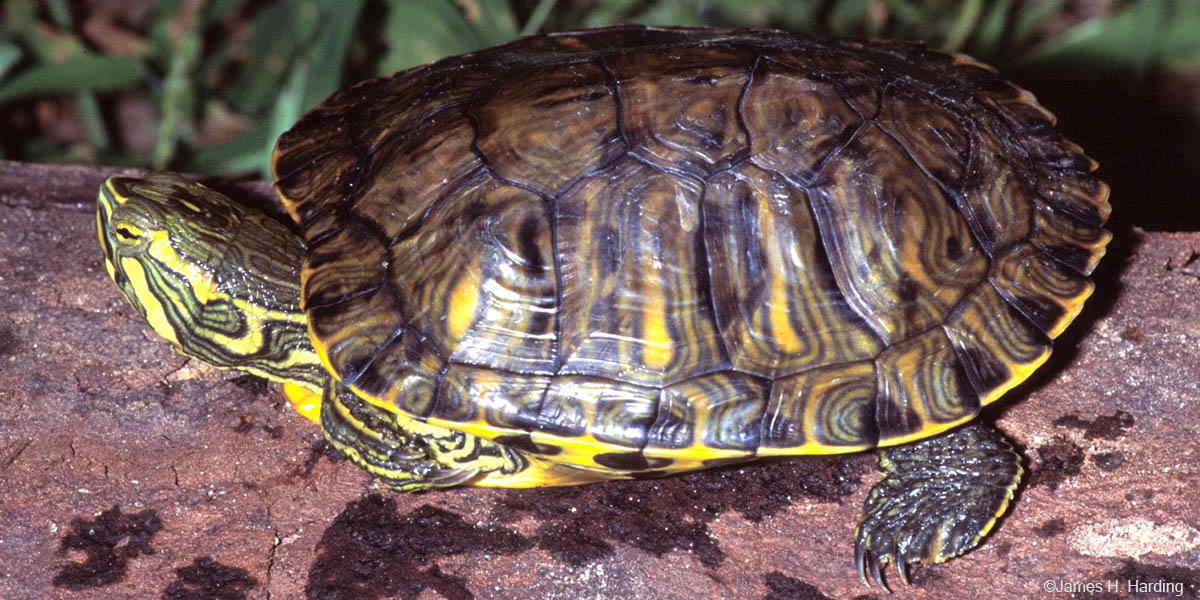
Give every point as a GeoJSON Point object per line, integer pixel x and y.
{"type": "Point", "coordinates": [633, 251]}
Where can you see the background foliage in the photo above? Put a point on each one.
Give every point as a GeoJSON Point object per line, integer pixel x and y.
{"type": "Point", "coordinates": [207, 85]}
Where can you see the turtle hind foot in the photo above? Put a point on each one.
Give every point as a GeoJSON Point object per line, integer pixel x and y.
{"type": "Point", "coordinates": [939, 497]}
{"type": "Point", "coordinates": [405, 454]}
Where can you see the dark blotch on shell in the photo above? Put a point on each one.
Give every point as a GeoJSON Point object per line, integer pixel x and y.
{"type": "Point", "coordinates": [525, 443]}
{"type": "Point", "coordinates": [630, 461]}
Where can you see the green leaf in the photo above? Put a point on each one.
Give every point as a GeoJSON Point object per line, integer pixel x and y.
{"type": "Point", "coordinates": [607, 13]}
{"type": "Point", "coordinates": [218, 10]}
{"type": "Point", "coordinates": [1180, 43]}
{"type": "Point", "coordinates": [1029, 19]}
{"type": "Point", "coordinates": [847, 17]}
{"type": "Point", "coordinates": [50, 45]}
{"type": "Point", "coordinates": [422, 31]}
{"type": "Point", "coordinates": [60, 13]}
{"type": "Point", "coordinates": [93, 121]}
{"type": "Point", "coordinates": [287, 109]}
{"type": "Point", "coordinates": [9, 55]}
{"type": "Point", "coordinates": [251, 151]}
{"type": "Point", "coordinates": [1131, 39]}
{"type": "Point", "coordinates": [19, 15]}
{"type": "Point", "coordinates": [493, 20]}
{"type": "Point", "coordinates": [795, 15]}
{"type": "Point", "coordinates": [969, 13]}
{"type": "Point", "coordinates": [182, 36]}
{"type": "Point", "coordinates": [790, 14]}
{"type": "Point", "coordinates": [538, 17]}
{"type": "Point", "coordinates": [86, 72]}
{"type": "Point", "coordinates": [327, 54]}
{"type": "Point", "coordinates": [243, 155]}
{"type": "Point", "coordinates": [672, 13]}
{"type": "Point", "coordinates": [278, 31]}
{"type": "Point", "coordinates": [990, 36]}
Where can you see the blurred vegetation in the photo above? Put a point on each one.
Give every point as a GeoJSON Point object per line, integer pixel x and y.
{"type": "Point", "coordinates": [207, 85]}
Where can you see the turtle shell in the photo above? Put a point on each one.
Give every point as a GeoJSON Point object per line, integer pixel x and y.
{"type": "Point", "coordinates": [644, 248]}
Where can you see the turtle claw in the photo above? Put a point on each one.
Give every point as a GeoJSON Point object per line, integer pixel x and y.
{"type": "Point", "coordinates": [867, 561]}
{"type": "Point", "coordinates": [860, 561]}
{"type": "Point", "coordinates": [877, 575]}
{"type": "Point", "coordinates": [448, 477]}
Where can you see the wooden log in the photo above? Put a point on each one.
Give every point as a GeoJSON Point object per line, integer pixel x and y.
{"type": "Point", "coordinates": [131, 472]}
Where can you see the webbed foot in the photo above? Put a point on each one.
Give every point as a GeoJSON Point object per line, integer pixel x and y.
{"type": "Point", "coordinates": [939, 497]}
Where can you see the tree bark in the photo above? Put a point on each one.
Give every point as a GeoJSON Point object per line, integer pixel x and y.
{"type": "Point", "coordinates": [131, 472]}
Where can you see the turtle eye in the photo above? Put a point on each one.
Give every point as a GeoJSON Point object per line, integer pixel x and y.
{"type": "Point", "coordinates": [128, 234]}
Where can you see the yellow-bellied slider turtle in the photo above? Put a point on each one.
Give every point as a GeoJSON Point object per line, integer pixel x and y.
{"type": "Point", "coordinates": [633, 251]}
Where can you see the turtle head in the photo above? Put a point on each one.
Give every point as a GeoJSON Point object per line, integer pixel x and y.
{"type": "Point", "coordinates": [217, 279]}
{"type": "Point", "coordinates": [164, 239]}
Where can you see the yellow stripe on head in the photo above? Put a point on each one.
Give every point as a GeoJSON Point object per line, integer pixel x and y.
{"type": "Point", "coordinates": [151, 307]}
{"type": "Point", "coordinates": [213, 277]}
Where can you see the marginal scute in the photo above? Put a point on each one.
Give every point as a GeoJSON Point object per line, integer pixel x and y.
{"type": "Point", "coordinates": [675, 424]}
{"type": "Point", "coordinates": [996, 198]}
{"type": "Point", "coordinates": [348, 334]}
{"type": "Point", "coordinates": [822, 411]}
{"type": "Point", "coordinates": [1033, 128]}
{"type": "Point", "coordinates": [350, 262]}
{"type": "Point", "coordinates": [630, 256]}
{"type": "Point", "coordinates": [997, 346]}
{"type": "Point", "coordinates": [680, 109]}
{"type": "Point", "coordinates": [623, 418]}
{"type": "Point", "coordinates": [901, 254]}
{"type": "Point", "coordinates": [982, 79]}
{"type": "Point", "coordinates": [1020, 110]}
{"type": "Point", "coordinates": [318, 135]}
{"type": "Point", "coordinates": [521, 127]}
{"type": "Point", "coordinates": [923, 389]}
{"type": "Point", "coordinates": [402, 375]}
{"type": "Point", "coordinates": [1070, 242]}
{"type": "Point", "coordinates": [721, 411]}
{"type": "Point", "coordinates": [795, 122]}
{"type": "Point", "coordinates": [1046, 291]}
{"type": "Point", "coordinates": [486, 397]}
{"type": "Point", "coordinates": [759, 228]}
{"type": "Point", "coordinates": [1079, 196]}
{"type": "Point", "coordinates": [312, 192]}
{"type": "Point", "coordinates": [610, 411]}
{"type": "Point", "coordinates": [1058, 153]}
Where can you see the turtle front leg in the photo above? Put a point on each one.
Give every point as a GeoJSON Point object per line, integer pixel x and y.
{"type": "Point", "coordinates": [939, 497]}
{"type": "Point", "coordinates": [405, 454]}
